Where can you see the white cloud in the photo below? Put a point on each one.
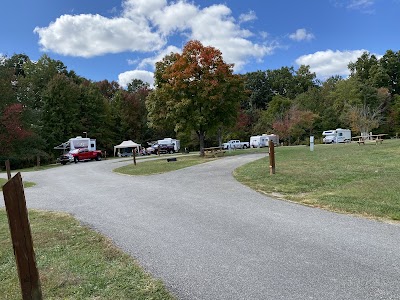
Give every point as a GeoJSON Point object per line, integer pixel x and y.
{"type": "Point", "coordinates": [175, 17]}
{"type": "Point", "coordinates": [364, 6]}
{"type": "Point", "coordinates": [146, 25]}
{"type": "Point", "coordinates": [125, 78]}
{"type": "Point", "coordinates": [250, 16]}
{"type": "Point", "coordinates": [91, 35]}
{"type": "Point", "coordinates": [151, 61]}
{"type": "Point", "coordinates": [360, 4]}
{"type": "Point", "coordinates": [233, 41]}
{"type": "Point", "coordinates": [330, 63]}
{"type": "Point", "coordinates": [301, 35]}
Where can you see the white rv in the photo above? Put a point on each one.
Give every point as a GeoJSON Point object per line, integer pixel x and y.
{"type": "Point", "coordinates": [338, 135]}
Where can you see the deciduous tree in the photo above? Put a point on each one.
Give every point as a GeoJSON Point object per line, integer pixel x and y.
{"type": "Point", "coordinates": [195, 90]}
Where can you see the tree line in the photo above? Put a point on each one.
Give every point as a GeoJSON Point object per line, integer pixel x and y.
{"type": "Point", "coordinates": [196, 98]}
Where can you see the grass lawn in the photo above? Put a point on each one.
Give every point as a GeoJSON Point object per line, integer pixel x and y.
{"type": "Point", "coordinates": [349, 178]}
{"type": "Point", "coordinates": [161, 165]}
{"type": "Point", "coordinates": [32, 169]}
{"type": "Point", "coordinates": [26, 183]}
{"type": "Point", "coordinates": [75, 262]}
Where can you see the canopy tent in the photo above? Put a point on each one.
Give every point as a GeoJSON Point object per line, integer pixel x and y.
{"type": "Point", "coordinates": [127, 144]}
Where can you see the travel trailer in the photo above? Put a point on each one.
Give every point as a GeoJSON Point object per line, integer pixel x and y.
{"type": "Point", "coordinates": [259, 141]}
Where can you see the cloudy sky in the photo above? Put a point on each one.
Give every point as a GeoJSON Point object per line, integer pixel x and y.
{"type": "Point", "coordinates": [121, 40]}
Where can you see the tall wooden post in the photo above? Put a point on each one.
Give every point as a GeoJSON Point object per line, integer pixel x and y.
{"type": "Point", "coordinates": [134, 156]}
{"type": "Point", "coordinates": [38, 161]}
{"type": "Point", "coordinates": [17, 213]}
{"type": "Point", "coordinates": [8, 169]}
{"type": "Point", "coordinates": [271, 157]}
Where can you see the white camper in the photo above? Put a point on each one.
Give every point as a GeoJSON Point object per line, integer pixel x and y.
{"type": "Point", "coordinates": [272, 137]}
{"type": "Point", "coordinates": [170, 141]}
{"type": "Point", "coordinates": [338, 135]}
{"type": "Point", "coordinates": [258, 141]}
{"type": "Point", "coordinates": [77, 143]}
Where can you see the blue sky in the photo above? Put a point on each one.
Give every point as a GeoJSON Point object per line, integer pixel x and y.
{"type": "Point", "coordinates": [121, 40]}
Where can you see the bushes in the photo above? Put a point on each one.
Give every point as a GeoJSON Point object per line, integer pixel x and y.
{"type": "Point", "coordinates": [20, 162]}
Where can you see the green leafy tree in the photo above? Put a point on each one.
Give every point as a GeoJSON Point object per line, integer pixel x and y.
{"type": "Point", "coordinates": [277, 109]}
{"type": "Point", "coordinates": [257, 87]}
{"type": "Point", "coordinates": [60, 110]}
{"type": "Point", "coordinates": [282, 82]}
{"type": "Point", "coordinates": [195, 90]}
{"type": "Point", "coordinates": [390, 72]}
{"type": "Point", "coordinates": [94, 115]}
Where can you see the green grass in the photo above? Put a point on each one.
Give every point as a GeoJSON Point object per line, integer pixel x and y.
{"type": "Point", "coordinates": [161, 165]}
{"type": "Point", "coordinates": [26, 183]}
{"type": "Point", "coordinates": [32, 169]}
{"type": "Point", "coordinates": [75, 262]}
{"type": "Point", "coordinates": [349, 178]}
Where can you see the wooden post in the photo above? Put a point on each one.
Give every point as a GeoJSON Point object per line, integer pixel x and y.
{"type": "Point", "coordinates": [38, 161]}
{"type": "Point", "coordinates": [134, 156]}
{"type": "Point", "coordinates": [8, 169]}
{"type": "Point", "coordinates": [271, 158]}
{"type": "Point", "coordinates": [17, 214]}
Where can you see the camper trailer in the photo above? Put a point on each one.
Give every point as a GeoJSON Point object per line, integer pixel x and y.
{"type": "Point", "coordinates": [272, 137]}
{"type": "Point", "coordinates": [258, 141]}
{"type": "Point", "coordinates": [338, 135]}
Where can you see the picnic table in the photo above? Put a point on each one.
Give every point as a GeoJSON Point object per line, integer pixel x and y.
{"type": "Point", "coordinates": [371, 138]}
{"type": "Point", "coordinates": [214, 151]}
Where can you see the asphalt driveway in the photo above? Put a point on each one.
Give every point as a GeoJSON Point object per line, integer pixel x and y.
{"type": "Point", "coordinates": [209, 237]}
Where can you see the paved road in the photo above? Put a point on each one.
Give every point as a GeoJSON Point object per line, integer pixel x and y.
{"type": "Point", "coordinates": [208, 237]}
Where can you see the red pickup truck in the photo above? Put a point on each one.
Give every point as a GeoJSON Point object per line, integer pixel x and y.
{"type": "Point", "coordinates": [80, 155]}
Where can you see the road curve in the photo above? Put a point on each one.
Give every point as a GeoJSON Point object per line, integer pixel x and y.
{"type": "Point", "coordinates": [209, 237]}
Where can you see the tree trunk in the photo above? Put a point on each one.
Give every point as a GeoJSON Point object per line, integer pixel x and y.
{"type": "Point", "coordinates": [219, 137]}
{"type": "Point", "coordinates": [201, 134]}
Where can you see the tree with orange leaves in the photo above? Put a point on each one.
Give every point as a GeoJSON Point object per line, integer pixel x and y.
{"type": "Point", "coordinates": [195, 90]}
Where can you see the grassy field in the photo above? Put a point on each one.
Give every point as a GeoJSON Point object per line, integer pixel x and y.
{"type": "Point", "coordinates": [161, 165]}
{"type": "Point", "coordinates": [362, 180]}
{"type": "Point", "coordinates": [75, 262]}
{"type": "Point", "coordinates": [26, 183]}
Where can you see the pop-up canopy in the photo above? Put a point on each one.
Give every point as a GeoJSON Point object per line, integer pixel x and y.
{"type": "Point", "coordinates": [127, 144]}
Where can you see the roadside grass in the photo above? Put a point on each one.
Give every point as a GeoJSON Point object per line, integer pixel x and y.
{"type": "Point", "coordinates": [161, 165]}
{"type": "Point", "coordinates": [75, 262]}
{"type": "Point", "coordinates": [362, 180]}
{"type": "Point", "coordinates": [25, 183]}
{"type": "Point", "coordinates": [32, 169]}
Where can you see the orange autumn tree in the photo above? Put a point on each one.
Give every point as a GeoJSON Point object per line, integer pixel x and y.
{"type": "Point", "coordinates": [195, 90]}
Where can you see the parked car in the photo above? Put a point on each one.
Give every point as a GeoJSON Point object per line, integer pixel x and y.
{"type": "Point", "coordinates": [163, 148]}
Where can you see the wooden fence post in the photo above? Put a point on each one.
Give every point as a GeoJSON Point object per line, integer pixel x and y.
{"type": "Point", "coordinates": [17, 214]}
{"type": "Point", "coordinates": [271, 157]}
{"type": "Point", "coordinates": [8, 169]}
